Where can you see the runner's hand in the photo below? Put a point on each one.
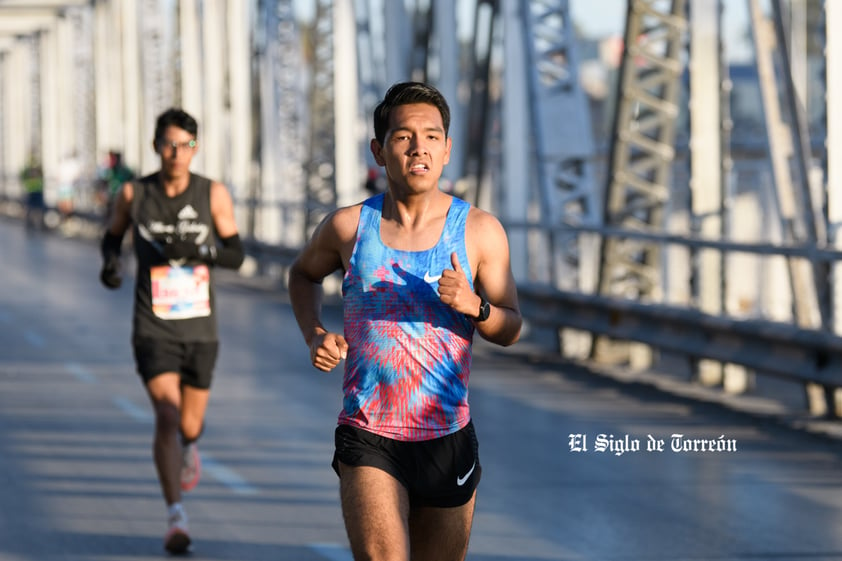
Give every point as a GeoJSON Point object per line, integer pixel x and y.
{"type": "Point", "coordinates": [110, 273]}
{"type": "Point", "coordinates": [455, 291]}
{"type": "Point", "coordinates": [326, 350]}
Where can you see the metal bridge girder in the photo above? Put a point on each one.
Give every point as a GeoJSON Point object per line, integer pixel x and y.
{"type": "Point", "coordinates": [282, 141]}
{"type": "Point", "coordinates": [642, 153]}
{"type": "Point", "coordinates": [563, 139]}
{"type": "Point", "coordinates": [320, 165]}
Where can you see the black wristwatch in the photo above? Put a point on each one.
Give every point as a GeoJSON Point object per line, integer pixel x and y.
{"type": "Point", "coordinates": [207, 253]}
{"type": "Point", "coordinates": [484, 310]}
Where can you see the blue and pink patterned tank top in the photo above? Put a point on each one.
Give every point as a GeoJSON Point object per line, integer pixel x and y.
{"type": "Point", "coordinates": [409, 354]}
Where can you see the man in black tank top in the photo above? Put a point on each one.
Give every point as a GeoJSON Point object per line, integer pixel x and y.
{"type": "Point", "coordinates": [182, 227]}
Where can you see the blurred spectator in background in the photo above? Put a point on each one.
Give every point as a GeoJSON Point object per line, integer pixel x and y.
{"type": "Point", "coordinates": [68, 175]}
{"type": "Point", "coordinates": [111, 178]}
{"type": "Point", "coordinates": [32, 179]}
{"type": "Point", "coordinates": [374, 182]}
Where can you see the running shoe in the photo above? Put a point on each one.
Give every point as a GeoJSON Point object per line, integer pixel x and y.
{"type": "Point", "coordinates": [191, 467]}
{"type": "Point", "coordinates": [177, 540]}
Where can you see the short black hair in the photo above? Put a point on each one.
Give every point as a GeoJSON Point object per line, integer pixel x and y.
{"type": "Point", "coordinates": [405, 93]}
{"type": "Point", "coordinates": [175, 117]}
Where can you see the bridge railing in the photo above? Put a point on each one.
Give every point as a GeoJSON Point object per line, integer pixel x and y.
{"type": "Point", "coordinates": [774, 348]}
{"type": "Point", "coordinates": [764, 346]}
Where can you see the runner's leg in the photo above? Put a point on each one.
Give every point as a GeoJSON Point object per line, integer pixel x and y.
{"type": "Point", "coordinates": [165, 393]}
{"type": "Point", "coordinates": [441, 534]}
{"type": "Point", "coordinates": [194, 404]}
{"type": "Point", "coordinates": [376, 509]}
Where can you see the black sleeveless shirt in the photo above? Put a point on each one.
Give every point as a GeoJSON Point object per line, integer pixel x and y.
{"type": "Point", "coordinates": [174, 299]}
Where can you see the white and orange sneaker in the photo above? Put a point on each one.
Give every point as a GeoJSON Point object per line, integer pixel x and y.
{"type": "Point", "coordinates": [177, 538]}
{"type": "Point", "coordinates": [191, 467]}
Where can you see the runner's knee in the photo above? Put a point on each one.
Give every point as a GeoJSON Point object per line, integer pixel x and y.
{"type": "Point", "coordinates": [167, 417]}
{"type": "Point", "coordinates": [191, 429]}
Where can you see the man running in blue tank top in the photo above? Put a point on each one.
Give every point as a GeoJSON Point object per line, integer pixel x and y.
{"type": "Point", "coordinates": [422, 272]}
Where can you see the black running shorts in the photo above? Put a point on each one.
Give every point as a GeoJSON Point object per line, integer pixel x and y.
{"type": "Point", "coordinates": [442, 472]}
{"type": "Point", "coordinates": [194, 361]}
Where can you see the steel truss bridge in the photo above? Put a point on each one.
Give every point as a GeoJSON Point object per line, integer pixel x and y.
{"type": "Point", "coordinates": [667, 236]}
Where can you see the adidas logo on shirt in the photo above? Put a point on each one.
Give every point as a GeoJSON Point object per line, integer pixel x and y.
{"type": "Point", "coordinates": [188, 213]}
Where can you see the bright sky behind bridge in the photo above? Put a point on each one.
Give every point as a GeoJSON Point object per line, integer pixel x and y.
{"type": "Point", "coordinates": [598, 19]}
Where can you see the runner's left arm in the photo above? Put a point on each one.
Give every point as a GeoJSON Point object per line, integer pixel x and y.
{"type": "Point", "coordinates": [494, 280]}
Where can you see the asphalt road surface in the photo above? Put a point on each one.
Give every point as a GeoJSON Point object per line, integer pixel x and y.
{"type": "Point", "coordinates": [77, 480]}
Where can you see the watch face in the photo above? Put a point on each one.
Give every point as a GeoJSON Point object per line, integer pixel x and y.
{"type": "Point", "coordinates": [484, 310]}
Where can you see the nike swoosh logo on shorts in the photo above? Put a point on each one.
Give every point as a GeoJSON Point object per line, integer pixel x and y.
{"type": "Point", "coordinates": [461, 480]}
{"type": "Point", "coordinates": [428, 278]}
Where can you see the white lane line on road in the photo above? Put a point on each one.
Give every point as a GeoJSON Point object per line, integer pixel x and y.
{"type": "Point", "coordinates": [80, 372]}
{"type": "Point", "coordinates": [332, 552]}
{"type": "Point", "coordinates": [132, 410]}
{"type": "Point", "coordinates": [224, 475]}
{"type": "Point", "coordinates": [34, 339]}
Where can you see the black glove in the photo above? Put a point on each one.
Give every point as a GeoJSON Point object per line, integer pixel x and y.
{"type": "Point", "coordinates": [180, 249]}
{"type": "Point", "coordinates": [110, 273]}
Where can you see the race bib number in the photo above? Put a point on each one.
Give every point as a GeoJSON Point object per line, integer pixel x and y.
{"type": "Point", "coordinates": [180, 292]}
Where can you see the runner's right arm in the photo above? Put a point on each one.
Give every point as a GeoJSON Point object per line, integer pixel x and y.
{"type": "Point", "coordinates": [112, 241]}
{"type": "Point", "coordinates": [325, 253]}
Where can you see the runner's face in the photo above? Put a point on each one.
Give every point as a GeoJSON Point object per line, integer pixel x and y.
{"type": "Point", "coordinates": [176, 148]}
{"type": "Point", "coordinates": [415, 149]}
